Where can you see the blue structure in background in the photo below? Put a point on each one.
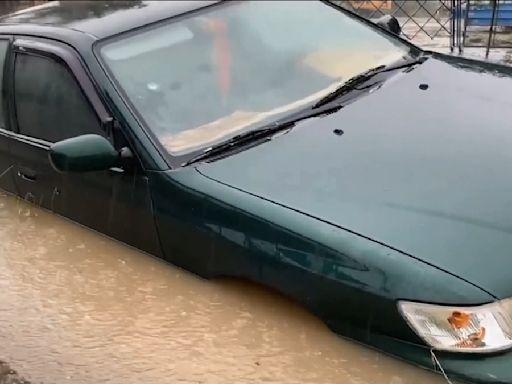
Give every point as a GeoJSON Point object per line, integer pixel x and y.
{"type": "Point", "coordinates": [486, 15]}
{"type": "Point", "coordinates": [494, 14]}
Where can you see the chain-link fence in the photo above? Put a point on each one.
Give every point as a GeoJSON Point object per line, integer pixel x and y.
{"type": "Point", "coordinates": [457, 23]}
{"type": "Point", "coordinates": [428, 17]}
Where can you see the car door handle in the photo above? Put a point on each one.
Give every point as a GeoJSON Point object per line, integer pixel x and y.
{"type": "Point", "coordinates": [116, 170]}
{"type": "Point", "coordinates": [27, 174]}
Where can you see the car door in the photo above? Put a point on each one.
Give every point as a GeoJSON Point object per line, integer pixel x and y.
{"type": "Point", "coordinates": [6, 165]}
{"type": "Point", "coordinates": [52, 98]}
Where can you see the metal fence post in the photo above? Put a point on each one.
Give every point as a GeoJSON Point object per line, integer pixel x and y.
{"type": "Point", "coordinates": [453, 15]}
{"type": "Point", "coordinates": [491, 28]}
{"type": "Point", "coordinates": [460, 36]}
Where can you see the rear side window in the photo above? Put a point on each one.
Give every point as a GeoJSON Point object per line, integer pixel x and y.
{"type": "Point", "coordinates": [4, 45]}
{"type": "Point", "coordinates": [50, 104]}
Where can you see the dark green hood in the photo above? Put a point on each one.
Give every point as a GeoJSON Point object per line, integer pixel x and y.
{"type": "Point", "coordinates": [428, 172]}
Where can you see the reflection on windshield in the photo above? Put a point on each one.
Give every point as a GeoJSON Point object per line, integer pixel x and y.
{"type": "Point", "coordinates": [203, 79]}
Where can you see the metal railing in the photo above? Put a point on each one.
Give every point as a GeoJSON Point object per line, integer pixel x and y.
{"type": "Point", "coordinates": [487, 24]}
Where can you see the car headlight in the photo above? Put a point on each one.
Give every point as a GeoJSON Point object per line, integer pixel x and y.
{"type": "Point", "coordinates": [482, 329]}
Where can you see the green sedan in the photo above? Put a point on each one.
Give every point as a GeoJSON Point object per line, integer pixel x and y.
{"type": "Point", "coordinates": [293, 144]}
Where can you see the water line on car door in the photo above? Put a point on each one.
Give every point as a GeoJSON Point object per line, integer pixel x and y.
{"type": "Point", "coordinates": [437, 364]}
{"type": "Point", "coordinates": [6, 170]}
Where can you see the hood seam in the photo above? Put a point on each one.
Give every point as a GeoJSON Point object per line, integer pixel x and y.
{"type": "Point", "coordinates": [347, 230]}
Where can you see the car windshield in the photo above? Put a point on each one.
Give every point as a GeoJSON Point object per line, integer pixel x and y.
{"type": "Point", "coordinates": [201, 79]}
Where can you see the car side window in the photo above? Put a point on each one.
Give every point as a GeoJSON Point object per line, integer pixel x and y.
{"type": "Point", "coordinates": [4, 45]}
{"type": "Point", "coordinates": [50, 104]}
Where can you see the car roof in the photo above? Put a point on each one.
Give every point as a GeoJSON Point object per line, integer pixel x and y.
{"type": "Point", "coordinates": [97, 19]}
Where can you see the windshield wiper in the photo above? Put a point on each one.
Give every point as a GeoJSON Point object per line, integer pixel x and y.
{"type": "Point", "coordinates": [238, 141]}
{"type": "Point", "coordinates": [266, 132]}
{"type": "Point", "coordinates": [353, 82]}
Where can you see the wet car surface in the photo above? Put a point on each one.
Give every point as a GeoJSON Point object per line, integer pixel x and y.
{"type": "Point", "coordinates": [334, 175]}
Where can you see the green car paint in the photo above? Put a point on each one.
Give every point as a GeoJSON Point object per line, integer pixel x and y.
{"type": "Point", "coordinates": [85, 153]}
{"type": "Point", "coordinates": [412, 201]}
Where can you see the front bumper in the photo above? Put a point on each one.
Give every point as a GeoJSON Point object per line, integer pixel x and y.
{"type": "Point", "coordinates": [464, 368]}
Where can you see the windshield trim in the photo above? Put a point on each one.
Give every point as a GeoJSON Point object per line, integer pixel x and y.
{"type": "Point", "coordinates": [175, 161]}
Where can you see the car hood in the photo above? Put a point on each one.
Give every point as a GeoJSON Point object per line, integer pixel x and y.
{"type": "Point", "coordinates": [425, 171]}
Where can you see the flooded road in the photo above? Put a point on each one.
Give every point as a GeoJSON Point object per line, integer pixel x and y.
{"type": "Point", "coordinates": [80, 308]}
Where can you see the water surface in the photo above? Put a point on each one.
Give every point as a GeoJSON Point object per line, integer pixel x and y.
{"type": "Point", "coordinates": [78, 307]}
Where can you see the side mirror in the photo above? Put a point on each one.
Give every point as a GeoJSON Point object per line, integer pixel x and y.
{"type": "Point", "coordinates": [84, 153]}
{"type": "Point", "coordinates": [390, 23]}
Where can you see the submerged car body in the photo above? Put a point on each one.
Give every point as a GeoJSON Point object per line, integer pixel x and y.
{"type": "Point", "coordinates": [393, 193]}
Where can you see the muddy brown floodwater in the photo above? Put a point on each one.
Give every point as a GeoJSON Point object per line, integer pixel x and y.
{"type": "Point", "coordinates": [76, 307]}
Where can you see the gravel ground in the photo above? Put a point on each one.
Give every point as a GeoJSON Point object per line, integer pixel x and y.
{"type": "Point", "coordinates": [10, 376]}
